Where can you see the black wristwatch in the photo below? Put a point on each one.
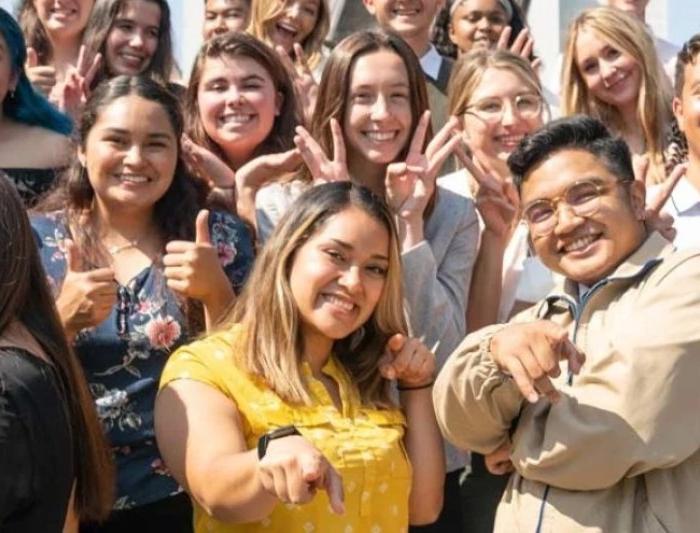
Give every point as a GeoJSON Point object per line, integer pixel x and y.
{"type": "Point", "coordinates": [264, 441]}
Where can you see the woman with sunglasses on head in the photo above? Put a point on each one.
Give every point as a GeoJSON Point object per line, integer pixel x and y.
{"type": "Point", "coordinates": [371, 127]}
{"type": "Point", "coordinates": [138, 268]}
{"type": "Point", "coordinates": [283, 420]}
{"type": "Point", "coordinates": [33, 134]}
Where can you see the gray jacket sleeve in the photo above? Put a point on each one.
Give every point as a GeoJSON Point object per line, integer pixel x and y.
{"type": "Point", "coordinates": [437, 274]}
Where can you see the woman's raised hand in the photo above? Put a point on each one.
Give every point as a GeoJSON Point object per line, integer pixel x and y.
{"type": "Point", "coordinates": [293, 470]}
{"type": "Point", "coordinates": [410, 184]}
{"type": "Point", "coordinates": [305, 86]}
{"type": "Point", "coordinates": [87, 295]}
{"type": "Point", "coordinates": [207, 165]}
{"type": "Point", "coordinates": [523, 45]}
{"type": "Point", "coordinates": [43, 77]}
{"type": "Point", "coordinates": [71, 94]}
{"type": "Point", "coordinates": [408, 361]}
{"type": "Point", "coordinates": [323, 170]}
{"type": "Point", "coordinates": [496, 198]}
{"type": "Point", "coordinates": [193, 269]}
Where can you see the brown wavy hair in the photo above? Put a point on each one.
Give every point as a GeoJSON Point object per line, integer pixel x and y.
{"type": "Point", "coordinates": [267, 313]}
{"type": "Point", "coordinates": [232, 45]}
{"type": "Point", "coordinates": [25, 296]}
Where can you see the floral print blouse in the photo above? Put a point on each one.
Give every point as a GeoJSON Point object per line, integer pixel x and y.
{"type": "Point", "coordinates": [123, 357]}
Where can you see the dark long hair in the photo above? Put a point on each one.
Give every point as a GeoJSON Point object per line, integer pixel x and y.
{"type": "Point", "coordinates": [25, 296]}
{"type": "Point", "coordinates": [26, 105]}
{"type": "Point", "coordinates": [100, 24]}
{"type": "Point", "coordinates": [174, 212]}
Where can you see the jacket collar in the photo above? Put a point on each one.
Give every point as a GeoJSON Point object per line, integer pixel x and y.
{"type": "Point", "coordinates": [651, 252]}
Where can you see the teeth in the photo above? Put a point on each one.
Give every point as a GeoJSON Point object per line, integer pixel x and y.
{"type": "Point", "coordinates": [134, 179]}
{"type": "Point", "coordinates": [510, 139]}
{"type": "Point", "coordinates": [340, 302]}
{"type": "Point", "coordinates": [287, 27]}
{"type": "Point", "coordinates": [236, 118]}
{"type": "Point", "coordinates": [580, 243]}
{"type": "Point", "coordinates": [379, 136]}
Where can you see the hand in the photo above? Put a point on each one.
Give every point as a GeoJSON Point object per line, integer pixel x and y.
{"type": "Point", "coordinates": [496, 199]}
{"type": "Point", "coordinates": [654, 218]}
{"type": "Point", "coordinates": [207, 165]}
{"type": "Point", "coordinates": [193, 269]}
{"type": "Point", "coordinates": [523, 45]}
{"type": "Point", "coordinates": [293, 469]}
{"type": "Point", "coordinates": [267, 168]}
{"type": "Point", "coordinates": [323, 170]}
{"type": "Point", "coordinates": [498, 462]}
{"type": "Point", "coordinates": [87, 296]}
{"type": "Point", "coordinates": [305, 86]}
{"type": "Point", "coordinates": [407, 361]}
{"type": "Point", "coordinates": [531, 352]}
{"type": "Point", "coordinates": [74, 91]}
{"type": "Point", "coordinates": [43, 77]}
{"type": "Point", "coordinates": [410, 184]}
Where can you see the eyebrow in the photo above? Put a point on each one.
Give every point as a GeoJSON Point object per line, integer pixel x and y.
{"type": "Point", "coordinates": [155, 135]}
{"type": "Point", "coordinates": [370, 85]}
{"type": "Point", "coordinates": [348, 246]}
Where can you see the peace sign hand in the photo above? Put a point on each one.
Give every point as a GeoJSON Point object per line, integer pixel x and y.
{"type": "Point", "coordinates": [302, 78]}
{"type": "Point", "coordinates": [323, 170]}
{"type": "Point", "coordinates": [74, 91]}
{"type": "Point", "coordinates": [522, 46]}
{"type": "Point", "coordinates": [654, 218]}
{"type": "Point", "coordinates": [410, 184]}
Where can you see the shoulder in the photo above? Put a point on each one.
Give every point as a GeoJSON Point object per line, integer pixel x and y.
{"type": "Point", "coordinates": [680, 270]}
{"type": "Point", "coordinates": [452, 203]}
{"type": "Point", "coordinates": [40, 147]}
{"type": "Point", "coordinates": [280, 192]}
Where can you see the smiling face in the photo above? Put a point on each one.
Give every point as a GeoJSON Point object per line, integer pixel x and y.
{"type": "Point", "coordinates": [64, 18]}
{"type": "Point", "coordinates": [338, 275]}
{"type": "Point", "coordinates": [477, 24]}
{"type": "Point", "coordinates": [221, 16]}
{"type": "Point", "coordinates": [611, 74]}
{"type": "Point", "coordinates": [133, 38]}
{"type": "Point", "coordinates": [497, 140]}
{"type": "Point", "coordinates": [378, 116]}
{"type": "Point", "coordinates": [295, 23]}
{"type": "Point", "coordinates": [585, 249]}
{"type": "Point", "coordinates": [408, 18]}
{"type": "Point", "coordinates": [237, 103]}
{"type": "Point", "coordinates": [686, 108]}
{"type": "Point", "coordinates": [130, 154]}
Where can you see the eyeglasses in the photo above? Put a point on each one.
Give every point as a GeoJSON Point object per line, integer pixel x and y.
{"type": "Point", "coordinates": [582, 197]}
{"type": "Point", "coordinates": [491, 109]}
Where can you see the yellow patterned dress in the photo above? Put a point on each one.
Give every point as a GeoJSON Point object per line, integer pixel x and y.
{"type": "Point", "coordinates": [364, 444]}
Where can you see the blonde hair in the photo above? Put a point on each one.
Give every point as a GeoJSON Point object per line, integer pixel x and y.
{"type": "Point", "coordinates": [266, 310]}
{"type": "Point", "coordinates": [264, 13]}
{"type": "Point", "coordinates": [469, 69]}
{"type": "Point", "coordinates": [629, 35]}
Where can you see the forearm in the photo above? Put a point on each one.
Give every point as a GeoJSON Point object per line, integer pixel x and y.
{"type": "Point", "coordinates": [486, 283]}
{"type": "Point", "coordinates": [410, 232]}
{"type": "Point", "coordinates": [230, 489]}
{"type": "Point", "coordinates": [423, 444]}
{"type": "Point", "coordinates": [245, 204]}
{"type": "Point", "coordinates": [218, 302]}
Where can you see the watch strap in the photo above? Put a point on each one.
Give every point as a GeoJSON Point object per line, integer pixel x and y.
{"type": "Point", "coordinates": [278, 433]}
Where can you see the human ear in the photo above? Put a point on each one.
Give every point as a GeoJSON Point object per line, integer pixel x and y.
{"type": "Point", "coordinates": [678, 111]}
{"type": "Point", "coordinates": [369, 6]}
{"type": "Point", "coordinates": [637, 198]}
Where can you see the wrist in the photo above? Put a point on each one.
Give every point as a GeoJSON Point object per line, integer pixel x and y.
{"type": "Point", "coordinates": [413, 387]}
{"type": "Point", "coordinates": [410, 232]}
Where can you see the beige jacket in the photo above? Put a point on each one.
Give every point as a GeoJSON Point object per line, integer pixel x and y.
{"type": "Point", "coordinates": [620, 451]}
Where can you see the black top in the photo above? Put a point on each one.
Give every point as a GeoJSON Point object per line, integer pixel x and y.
{"type": "Point", "coordinates": [32, 183]}
{"type": "Point", "coordinates": [36, 460]}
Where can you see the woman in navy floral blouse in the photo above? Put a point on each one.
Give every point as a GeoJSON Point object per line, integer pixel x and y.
{"type": "Point", "coordinates": [138, 269]}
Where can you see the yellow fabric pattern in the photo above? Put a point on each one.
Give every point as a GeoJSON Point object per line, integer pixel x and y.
{"type": "Point", "coordinates": [365, 445]}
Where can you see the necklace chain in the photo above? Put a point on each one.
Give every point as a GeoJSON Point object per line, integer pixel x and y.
{"type": "Point", "coordinates": [114, 250]}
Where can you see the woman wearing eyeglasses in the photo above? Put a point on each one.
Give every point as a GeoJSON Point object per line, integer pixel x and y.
{"type": "Point", "coordinates": [498, 97]}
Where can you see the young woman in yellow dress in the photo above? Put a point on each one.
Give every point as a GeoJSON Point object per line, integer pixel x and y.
{"type": "Point", "coordinates": [284, 420]}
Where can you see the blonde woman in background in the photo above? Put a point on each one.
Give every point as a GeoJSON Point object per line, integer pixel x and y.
{"type": "Point", "coordinates": [611, 71]}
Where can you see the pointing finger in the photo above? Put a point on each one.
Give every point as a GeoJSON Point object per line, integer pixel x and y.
{"type": "Point", "coordinates": [334, 488]}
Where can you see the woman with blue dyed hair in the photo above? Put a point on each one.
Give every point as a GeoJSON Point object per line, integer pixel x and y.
{"type": "Point", "coordinates": [34, 135]}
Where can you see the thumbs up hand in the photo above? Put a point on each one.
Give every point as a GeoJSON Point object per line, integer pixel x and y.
{"type": "Point", "coordinates": [193, 269]}
{"type": "Point", "coordinates": [43, 77]}
{"type": "Point", "coordinates": [87, 296]}
{"type": "Point", "coordinates": [408, 361]}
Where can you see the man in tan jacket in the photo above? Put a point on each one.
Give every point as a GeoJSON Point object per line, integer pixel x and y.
{"type": "Point", "coordinates": [597, 386]}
